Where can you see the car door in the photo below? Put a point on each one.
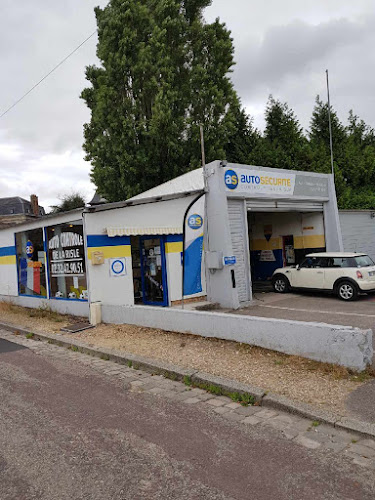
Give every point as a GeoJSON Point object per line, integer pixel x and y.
{"type": "Point", "coordinates": [333, 270]}
{"type": "Point", "coordinates": [309, 274]}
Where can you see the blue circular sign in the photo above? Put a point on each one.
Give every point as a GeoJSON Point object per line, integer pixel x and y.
{"type": "Point", "coordinates": [29, 250]}
{"type": "Point", "coordinates": [195, 221]}
{"type": "Point", "coordinates": [117, 267]}
{"type": "Point", "coordinates": [231, 179]}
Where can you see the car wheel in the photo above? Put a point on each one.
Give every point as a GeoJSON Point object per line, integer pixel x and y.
{"type": "Point", "coordinates": [280, 284]}
{"type": "Point", "coordinates": [347, 291]}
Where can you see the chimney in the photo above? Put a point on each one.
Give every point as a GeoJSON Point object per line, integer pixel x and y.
{"type": "Point", "coordinates": [34, 205]}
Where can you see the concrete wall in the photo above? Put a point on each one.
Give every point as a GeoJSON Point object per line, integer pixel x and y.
{"type": "Point", "coordinates": [74, 307]}
{"type": "Point", "coordinates": [346, 346]}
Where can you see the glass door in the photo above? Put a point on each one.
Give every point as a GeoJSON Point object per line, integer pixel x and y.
{"type": "Point", "coordinates": [153, 271]}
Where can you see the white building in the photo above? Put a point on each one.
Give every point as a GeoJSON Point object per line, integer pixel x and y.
{"type": "Point", "coordinates": [130, 253]}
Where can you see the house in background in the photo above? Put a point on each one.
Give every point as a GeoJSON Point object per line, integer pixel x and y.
{"type": "Point", "coordinates": [15, 210]}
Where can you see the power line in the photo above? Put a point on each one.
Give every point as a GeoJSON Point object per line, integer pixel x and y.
{"type": "Point", "coordinates": [47, 75]}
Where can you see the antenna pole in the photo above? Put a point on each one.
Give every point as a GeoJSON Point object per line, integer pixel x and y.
{"type": "Point", "coordinates": [330, 125]}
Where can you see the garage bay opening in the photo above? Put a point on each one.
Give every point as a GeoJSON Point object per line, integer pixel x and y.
{"type": "Point", "coordinates": [278, 239]}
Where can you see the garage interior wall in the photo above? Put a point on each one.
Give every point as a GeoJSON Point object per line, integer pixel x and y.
{"type": "Point", "coordinates": [266, 232]}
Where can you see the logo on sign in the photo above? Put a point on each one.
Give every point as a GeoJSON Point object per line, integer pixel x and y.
{"type": "Point", "coordinates": [195, 221]}
{"type": "Point", "coordinates": [117, 267]}
{"type": "Point", "coordinates": [231, 179]}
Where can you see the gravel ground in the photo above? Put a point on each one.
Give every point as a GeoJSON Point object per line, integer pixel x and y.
{"type": "Point", "coordinates": [316, 383]}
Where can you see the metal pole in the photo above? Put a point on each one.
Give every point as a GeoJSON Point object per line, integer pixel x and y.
{"type": "Point", "coordinates": [330, 125]}
{"type": "Point", "coordinates": [202, 147]}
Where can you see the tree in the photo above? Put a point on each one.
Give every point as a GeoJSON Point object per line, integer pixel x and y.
{"type": "Point", "coordinates": [284, 144]}
{"type": "Point", "coordinates": [163, 72]}
{"type": "Point", "coordinates": [69, 202]}
{"type": "Point", "coordinates": [244, 140]}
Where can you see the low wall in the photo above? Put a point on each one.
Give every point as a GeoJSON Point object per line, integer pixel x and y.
{"type": "Point", "coordinates": [73, 307]}
{"type": "Point", "coordinates": [342, 345]}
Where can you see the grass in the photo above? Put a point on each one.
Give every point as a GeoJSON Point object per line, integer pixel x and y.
{"type": "Point", "coordinates": [315, 423]}
{"type": "Point", "coordinates": [46, 312]}
{"type": "Point", "coordinates": [244, 399]}
{"type": "Point", "coordinates": [29, 335]}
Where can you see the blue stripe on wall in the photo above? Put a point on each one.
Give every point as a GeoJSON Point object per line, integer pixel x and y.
{"type": "Point", "coordinates": [6, 251]}
{"type": "Point", "coordinates": [102, 240]}
{"type": "Point", "coordinates": [174, 238]}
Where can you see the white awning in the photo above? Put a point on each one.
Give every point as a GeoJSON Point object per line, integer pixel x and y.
{"type": "Point", "coordinates": [139, 231]}
{"type": "Point", "coordinates": [159, 217]}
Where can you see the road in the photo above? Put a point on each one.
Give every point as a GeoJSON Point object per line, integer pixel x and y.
{"type": "Point", "coordinates": [69, 431]}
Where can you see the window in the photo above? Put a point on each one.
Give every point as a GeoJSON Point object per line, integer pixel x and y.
{"type": "Point", "coordinates": [31, 263]}
{"type": "Point", "coordinates": [363, 261]}
{"type": "Point", "coordinates": [311, 262]}
{"type": "Point", "coordinates": [66, 261]}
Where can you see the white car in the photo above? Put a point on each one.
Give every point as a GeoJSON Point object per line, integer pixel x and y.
{"type": "Point", "coordinates": [345, 274]}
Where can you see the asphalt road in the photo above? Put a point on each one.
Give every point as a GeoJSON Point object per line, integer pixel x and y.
{"type": "Point", "coordinates": [68, 432]}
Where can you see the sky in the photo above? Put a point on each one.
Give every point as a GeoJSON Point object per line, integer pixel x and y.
{"type": "Point", "coordinates": [281, 48]}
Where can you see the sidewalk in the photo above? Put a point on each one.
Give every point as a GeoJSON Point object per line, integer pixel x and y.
{"type": "Point", "coordinates": [325, 387]}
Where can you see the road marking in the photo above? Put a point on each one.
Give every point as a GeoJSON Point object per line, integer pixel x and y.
{"type": "Point", "coordinates": [317, 311]}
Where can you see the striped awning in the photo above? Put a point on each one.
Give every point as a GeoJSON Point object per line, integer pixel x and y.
{"type": "Point", "coordinates": [140, 231]}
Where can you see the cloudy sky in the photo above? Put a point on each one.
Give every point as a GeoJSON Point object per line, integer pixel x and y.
{"type": "Point", "coordinates": [282, 48]}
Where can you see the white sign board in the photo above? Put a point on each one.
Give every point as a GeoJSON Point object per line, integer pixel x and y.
{"type": "Point", "coordinates": [117, 267]}
{"type": "Point", "coordinates": [267, 256]}
{"type": "Point", "coordinates": [258, 183]}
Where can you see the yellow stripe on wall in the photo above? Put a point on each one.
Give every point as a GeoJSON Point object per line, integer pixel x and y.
{"type": "Point", "coordinates": [111, 252]}
{"type": "Point", "coordinates": [263, 244]}
{"type": "Point", "coordinates": [310, 241]}
{"type": "Point", "coordinates": [173, 247]}
{"type": "Point", "coordinates": [8, 260]}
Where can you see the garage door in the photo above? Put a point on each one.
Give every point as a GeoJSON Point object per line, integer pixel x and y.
{"type": "Point", "coordinates": [284, 206]}
{"type": "Point", "coordinates": [239, 236]}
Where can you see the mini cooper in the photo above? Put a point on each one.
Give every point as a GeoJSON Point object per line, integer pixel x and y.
{"type": "Point", "coordinates": [344, 274]}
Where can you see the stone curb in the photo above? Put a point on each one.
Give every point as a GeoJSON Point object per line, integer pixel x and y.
{"type": "Point", "coordinates": [168, 370]}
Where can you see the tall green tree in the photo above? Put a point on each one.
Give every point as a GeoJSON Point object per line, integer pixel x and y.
{"type": "Point", "coordinates": [284, 144]}
{"type": "Point", "coordinates": [163, 72]}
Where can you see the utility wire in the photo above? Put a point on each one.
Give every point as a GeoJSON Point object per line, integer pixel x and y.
{"type": "Point", "coordinates": [47, 75]}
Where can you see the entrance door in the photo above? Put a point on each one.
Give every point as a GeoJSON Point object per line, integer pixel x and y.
{"type": "Point", "coordinates": [289, 257]}
{"type": "Point", "coordinates": [153, 271]}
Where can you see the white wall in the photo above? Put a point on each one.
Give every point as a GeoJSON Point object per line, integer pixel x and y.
{"type": "Point", "coordinates": [342, 345]}
{"type": "Point", "coordinates": [8, 267]}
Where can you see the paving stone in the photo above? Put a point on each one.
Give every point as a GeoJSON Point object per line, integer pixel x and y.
{"type": "Point", "coordinates": [248, 410]}
{"type": "Point", "coordinates": [233, 417]}
{"type": "Point", "coordinates": [136, 383]}
{"type": "Point", "coordinates": [290, 433]}
{"type": "Point", "coordinates": [221, 410]}
{"type": "Point", "coordinates": [363, 451]}
{"type": "Point", "coordinates": [252, 420]}
{"type": "Point", "coordinates": [306, 442]}
{"type": "Point", "coordinates": [275, 424]}
{"type": "Point", "coordinates": [233, 405]}
{"type": "Point", "coordinates": [364, 462]}
{"type": "Point", "coordinates": [182, 396]}
{"type": "Point", "coordinates": [156, 390]}
{"type": "Point", "coordinates": [192, 401]}
{"type": "Point", "coordinates": [367, 442]}
{"type": "Point", "coordinates": [266, 414]}
{"type": "Point", "coordinates": [285, 419]}
{"type": "Point", "coordinates": [215, 402]}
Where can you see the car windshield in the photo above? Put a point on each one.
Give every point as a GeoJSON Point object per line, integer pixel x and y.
{"type": "Point", "coordinates": [363, 261]}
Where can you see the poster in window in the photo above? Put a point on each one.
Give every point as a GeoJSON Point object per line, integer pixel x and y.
{"type": "Point", "coordinates": [31, 263]}
{"type": "Point", "coordinates": [66, 260]}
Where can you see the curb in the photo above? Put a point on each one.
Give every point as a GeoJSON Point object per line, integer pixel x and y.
{"type": "Point", "coordinates": [156, 367]}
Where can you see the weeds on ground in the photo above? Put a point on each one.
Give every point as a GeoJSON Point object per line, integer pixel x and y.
{"type": "Point", "coordinates": [29, 335]}
{"type": "Point", "coordinates": [46, 312]}
{"type": "Point", "coordinates": [243, 398]}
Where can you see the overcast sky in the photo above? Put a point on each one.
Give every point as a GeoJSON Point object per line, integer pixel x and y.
{"type": "Point", "coordinates": [282, 48]}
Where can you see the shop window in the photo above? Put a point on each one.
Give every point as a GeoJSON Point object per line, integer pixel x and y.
{"type": "Point", "coordinates": [31, 263]}
{"type": "Point", "coordinates": [66, 261]}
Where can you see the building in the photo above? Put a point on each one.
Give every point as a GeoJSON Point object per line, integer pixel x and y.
{"type": "Point", "coordinates": [238, 223]}
{"type": "Point", "coordinates": [15, 210]}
